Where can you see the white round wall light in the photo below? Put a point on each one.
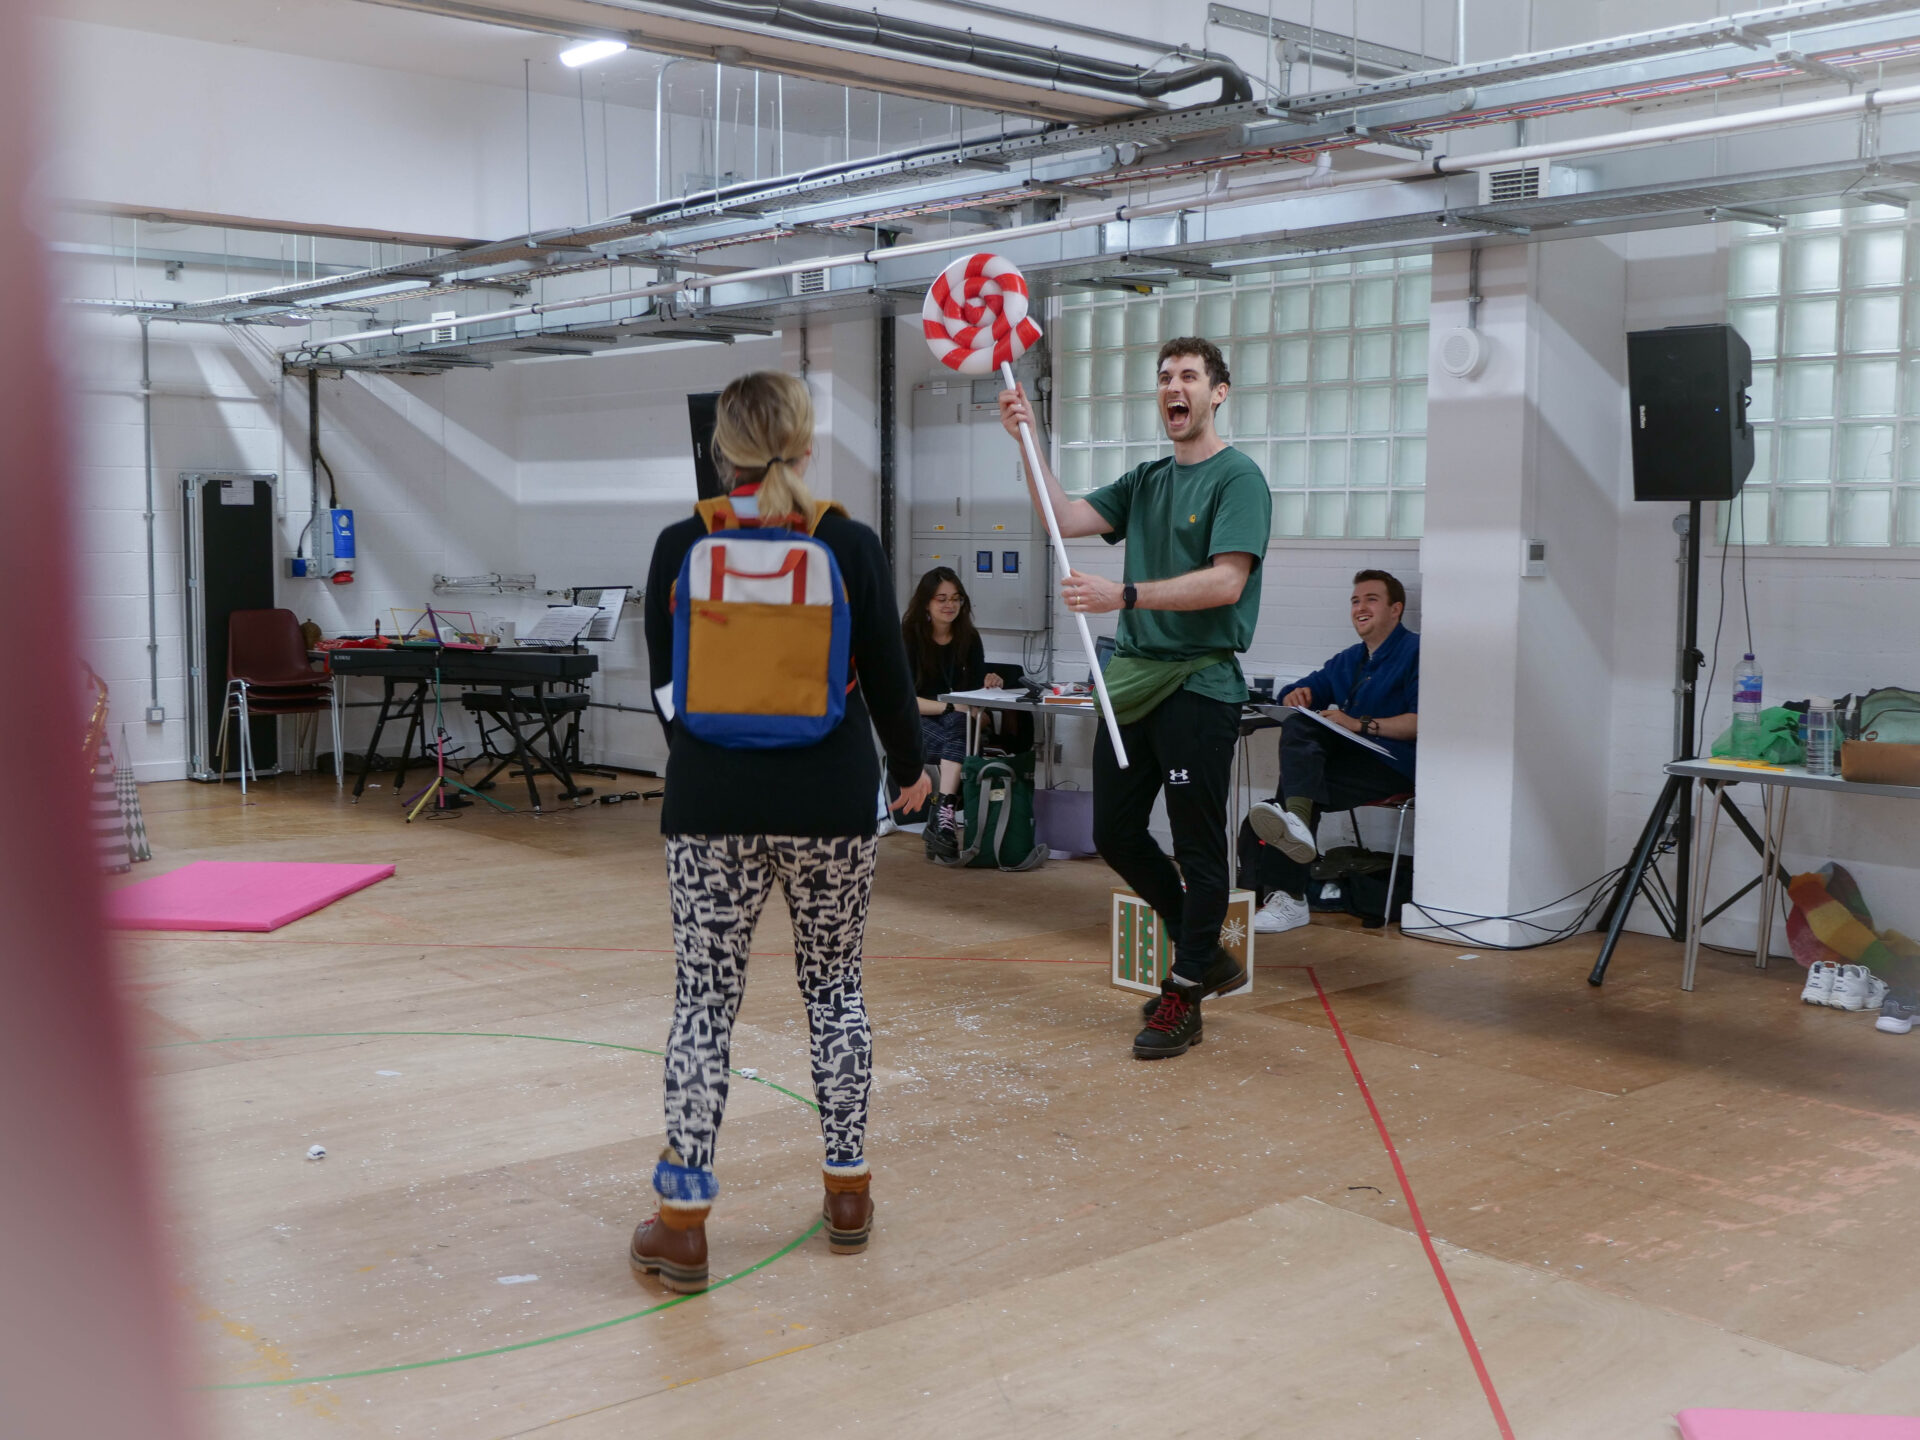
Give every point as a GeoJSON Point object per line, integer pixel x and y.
{"type": "Point", "coordinates": [1463, 353]}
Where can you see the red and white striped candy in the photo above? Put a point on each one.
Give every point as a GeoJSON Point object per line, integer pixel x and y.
{"type": "Point", "coordinates": [975, 315]}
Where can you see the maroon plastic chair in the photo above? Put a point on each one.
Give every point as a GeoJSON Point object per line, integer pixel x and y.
{"type": "Point", "coordinates": [268, 673]}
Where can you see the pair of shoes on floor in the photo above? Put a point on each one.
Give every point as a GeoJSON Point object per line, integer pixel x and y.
{"type": "Point", "coordinates": [1281, 913]}
{"type": "Point", "coordinates": [672, 1245]}
{"type": "Point", "coordinates": [1898, 1011]}
{"type": "Point", "coordinates": [1284, 830]}
{"type": "Point", "coordinates": [1173, 1016]}
{"type": "Point", "coordinates": [1843, 987]}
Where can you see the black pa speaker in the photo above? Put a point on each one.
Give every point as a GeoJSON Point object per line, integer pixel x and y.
{"type": "Point", "coordinates": [701, 410]}
{"type": "Point", "coordinates": [1687, 389]}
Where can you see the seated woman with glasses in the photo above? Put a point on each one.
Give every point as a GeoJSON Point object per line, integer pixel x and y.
{"type": "Point", "coordinates": [945, 653]}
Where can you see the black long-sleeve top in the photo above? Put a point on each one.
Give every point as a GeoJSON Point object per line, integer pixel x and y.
{"type": "Point", "coordinates": [823, 789]}
{"type": "Point", "coordinates": [949, 670]}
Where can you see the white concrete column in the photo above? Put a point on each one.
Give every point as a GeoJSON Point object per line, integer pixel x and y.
{"type": "Point", "coordinates": [841, 363]}
{"type": "Point", "coordinates": [1515, 672]}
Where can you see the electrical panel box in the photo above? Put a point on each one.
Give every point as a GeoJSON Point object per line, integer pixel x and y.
{"type": "Point", "coordinates": [967, 473]}
{"type": "Point", "coordinates": [970, 510]}
{"type": "Point", "coordinates": [1006, 579]}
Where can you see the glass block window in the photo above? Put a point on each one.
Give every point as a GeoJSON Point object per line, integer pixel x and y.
{"type": "Point", "coordinates": [1329, 398]}
{"type": "Point", "coordinates": [1828, 307]}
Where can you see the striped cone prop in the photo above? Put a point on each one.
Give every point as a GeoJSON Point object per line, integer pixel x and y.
{"type": "Point", "coordinates": [976, 321]}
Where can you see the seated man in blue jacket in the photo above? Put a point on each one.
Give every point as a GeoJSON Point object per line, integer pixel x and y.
{"type": "Point", "coordinates": [1372, 689]}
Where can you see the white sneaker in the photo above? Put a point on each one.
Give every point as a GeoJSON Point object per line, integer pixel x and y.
{"type": "Point", "coordinates": [1857, 988]}
{"type": "Point", "coordinates": [1821, 976]}
{"type": "Point", "coordinates": [1281, 913]}
{"type": "Point", "coordinates": [1283, 830]}
{"type": "Point", "coordinates": [1897, 1014]}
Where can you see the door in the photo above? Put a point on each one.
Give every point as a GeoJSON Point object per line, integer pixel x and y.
{"type": "Point", "coordinates": [229, 563]}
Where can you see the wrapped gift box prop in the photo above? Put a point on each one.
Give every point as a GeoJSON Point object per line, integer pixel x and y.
{"type": "Point", "coordinates": [1143, 951]}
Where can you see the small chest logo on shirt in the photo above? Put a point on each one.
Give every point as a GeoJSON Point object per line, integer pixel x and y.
{"type": "Point", "coordinates": [1177, 777]}
{"type": "Point", "coordinates": [1193, 519]}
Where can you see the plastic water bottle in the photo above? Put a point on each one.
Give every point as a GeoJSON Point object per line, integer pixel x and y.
{"type": "Point", "coordinates": [1817, 731]}
{"type": "Point", "coordinates": [1746, 709]}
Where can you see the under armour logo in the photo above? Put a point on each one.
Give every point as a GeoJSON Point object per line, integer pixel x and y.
{"type": "Point", "coordinates": [1177, 777]}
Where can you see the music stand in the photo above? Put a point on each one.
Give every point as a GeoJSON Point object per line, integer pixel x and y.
{"type": "Point", "coordinates": [440, 781]}
{"type": "Point", "coordinates": [609, 601]}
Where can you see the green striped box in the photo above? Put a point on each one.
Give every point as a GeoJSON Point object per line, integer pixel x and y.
{"type": "Point", "coordinates": [1143, 953]}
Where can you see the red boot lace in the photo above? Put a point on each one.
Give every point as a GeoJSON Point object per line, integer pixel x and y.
{"type": "Point", "coordinates": [1171, 1012]}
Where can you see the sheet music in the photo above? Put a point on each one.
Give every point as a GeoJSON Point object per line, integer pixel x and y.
{"type": "Point", "coordinates": [561, 625]}
{"type": "Point", "coordinates": [607, 600]}
{"type": "Point", "coordinates": [1340, 730]}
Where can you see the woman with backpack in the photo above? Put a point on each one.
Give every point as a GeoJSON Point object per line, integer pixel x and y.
{"type": "Point", "coordinates": [946, 654]}
{"type": "Point", "coordinates": [770, 620]}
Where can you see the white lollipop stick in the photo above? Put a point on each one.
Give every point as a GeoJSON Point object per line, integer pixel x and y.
{"type": "Point", "coordinates": [975, 318]}
{"type": "Point", "coordinates": [1066, 567]}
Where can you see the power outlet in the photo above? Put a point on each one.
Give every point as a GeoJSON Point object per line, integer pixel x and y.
{"type": "Point", "coordinates": [156, 715]}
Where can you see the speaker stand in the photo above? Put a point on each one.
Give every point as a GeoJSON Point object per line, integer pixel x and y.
{"type": "Point", "coordinates": [1670, 824]}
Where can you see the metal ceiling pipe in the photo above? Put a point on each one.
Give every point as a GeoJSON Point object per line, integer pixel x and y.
{"type": "Point", "coordinates": [746, 190]}
{"type": "Point", "coordinates": [837, 24]}
{"type": "Point", "coordinates": [1322, 176]}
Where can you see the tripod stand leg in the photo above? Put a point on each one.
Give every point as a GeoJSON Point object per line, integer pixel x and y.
{"type": "Point", "coordinates": [1635, 876]}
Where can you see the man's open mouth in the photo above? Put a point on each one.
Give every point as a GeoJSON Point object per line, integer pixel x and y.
{"type": "Point", "coordinates": [1176, 410]}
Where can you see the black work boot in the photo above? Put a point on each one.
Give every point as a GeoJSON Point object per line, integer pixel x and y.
{"type": "Point", "coordinates": [1172, 1029]}
{"type": "Point", "coordinates": [1223, 973]}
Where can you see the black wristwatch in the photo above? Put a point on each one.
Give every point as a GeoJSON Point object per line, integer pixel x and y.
{"type": "Point", "coordinates": [1369, 725]}
{"type": "Point", "coordinates": [1129, 595]}
{"type": "Point", "coordinates": [949, 709]}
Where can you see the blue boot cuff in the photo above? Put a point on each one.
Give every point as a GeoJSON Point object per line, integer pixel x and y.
{"type": "Point", "coordinates": [685, 1184]}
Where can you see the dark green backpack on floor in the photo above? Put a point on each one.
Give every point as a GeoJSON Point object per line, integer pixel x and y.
{"type": "Point", "coordinates": [997, 795]}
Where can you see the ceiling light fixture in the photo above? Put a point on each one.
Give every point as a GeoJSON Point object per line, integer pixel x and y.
{"type": "Point", "coordinates": [588, 51]}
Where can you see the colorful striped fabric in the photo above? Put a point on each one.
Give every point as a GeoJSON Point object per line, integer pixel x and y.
{"type": "Point", "coordinates": [1832, 921]}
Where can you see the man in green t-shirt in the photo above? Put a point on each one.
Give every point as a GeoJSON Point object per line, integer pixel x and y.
{"type": "Point", "coordinates": [1196, 526]}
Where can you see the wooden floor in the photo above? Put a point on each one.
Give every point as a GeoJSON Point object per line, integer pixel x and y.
{"type": "Point", "coordinates": [1644, 1200]}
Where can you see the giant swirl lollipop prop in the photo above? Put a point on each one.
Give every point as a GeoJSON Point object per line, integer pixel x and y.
{"type": "Point", "coordinates": [976, 321]}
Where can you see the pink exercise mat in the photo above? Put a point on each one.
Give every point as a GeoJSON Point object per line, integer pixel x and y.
{"type": "Point", "coordinates": [236, 895]}
{"type": "Point", "coordinates": [1792, 1425]}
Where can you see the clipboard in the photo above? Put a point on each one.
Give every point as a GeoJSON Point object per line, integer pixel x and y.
{"type": "Point", "coordinates": [1340, 730]}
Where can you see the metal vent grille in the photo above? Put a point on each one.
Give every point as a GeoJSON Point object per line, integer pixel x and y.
{"type": "Point", "coordinates": [443, 334]}
{"type": "Point", "coordinates": [1516, 182]}
{"type": "Point", "coordinates": [810, 282]}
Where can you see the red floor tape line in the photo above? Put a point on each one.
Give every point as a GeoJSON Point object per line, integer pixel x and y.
{"type": "Point", "coordinates": [1413, 1209]}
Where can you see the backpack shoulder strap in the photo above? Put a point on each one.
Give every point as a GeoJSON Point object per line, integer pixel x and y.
{"type": "Point", "coordinates": [717, 514]}
{"type": "Point", "coordinates": [822, 509]}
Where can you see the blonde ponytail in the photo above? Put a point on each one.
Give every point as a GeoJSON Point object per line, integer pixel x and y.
{"type": "Point", "coordinates": [763, 426]}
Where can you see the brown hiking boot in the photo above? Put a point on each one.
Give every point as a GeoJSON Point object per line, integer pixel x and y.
{"type": "Point", "coordinates": [673, 1245]}
{"type": "Point", "coordinates": [848, 1211]}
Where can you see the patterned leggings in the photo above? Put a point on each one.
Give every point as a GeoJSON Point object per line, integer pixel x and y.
{"type": "Point", "coordinates": [719, 884]}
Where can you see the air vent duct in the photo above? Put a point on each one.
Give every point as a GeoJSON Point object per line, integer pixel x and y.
{"type": "Point", "coordinates": [1516, 182]}
{"type": "Point", "coordinates": [443, 334]}
{"type": "Point", "coordinates": [810, 282]}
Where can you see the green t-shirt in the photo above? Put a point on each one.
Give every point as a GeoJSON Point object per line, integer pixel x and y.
{"type": "Point", "coordinates": [1175, 518]}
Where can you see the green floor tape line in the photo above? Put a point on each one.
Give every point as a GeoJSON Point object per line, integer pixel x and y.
{"type": "Point", "coordinates": [785, 1250]}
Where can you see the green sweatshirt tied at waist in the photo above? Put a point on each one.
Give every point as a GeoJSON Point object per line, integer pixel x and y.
{"type": "Point", "coordinates": [1136, 684]}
